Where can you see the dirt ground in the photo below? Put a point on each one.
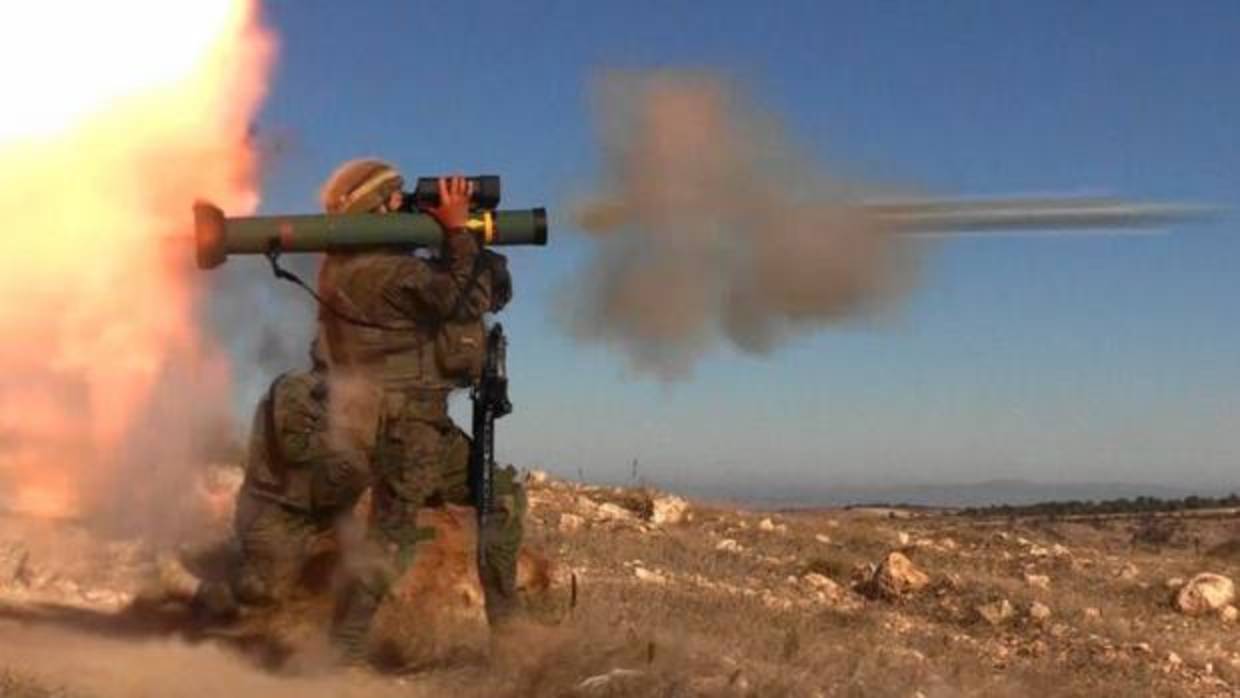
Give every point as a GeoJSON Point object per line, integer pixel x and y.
{"type": "Point", "coordinates": [648, 595]}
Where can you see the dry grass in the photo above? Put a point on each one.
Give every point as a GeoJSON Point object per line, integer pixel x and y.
{"type": "Point", "coordinates": [697, 620]}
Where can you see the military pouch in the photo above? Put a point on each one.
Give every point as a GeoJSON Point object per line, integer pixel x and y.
{"type": "Point", "coordinates": [460, 350]}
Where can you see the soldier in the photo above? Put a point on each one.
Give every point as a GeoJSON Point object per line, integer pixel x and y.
{"type": "Point", "coordinates": [400, 333]}
{"type": "Point", "coordinates": [299, 483]}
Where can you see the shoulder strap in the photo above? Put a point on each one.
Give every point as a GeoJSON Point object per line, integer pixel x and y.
{"type": "Point", "coordinates": [281, 273]}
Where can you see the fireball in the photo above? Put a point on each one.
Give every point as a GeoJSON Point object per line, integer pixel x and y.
{"type": "Point", "coordinates": [117, 116]}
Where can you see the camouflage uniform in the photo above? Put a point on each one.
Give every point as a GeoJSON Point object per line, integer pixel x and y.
{"type": "Point", "coordinates": [392, 325]}
{"type": "Point", "coordinates": [298, 483]}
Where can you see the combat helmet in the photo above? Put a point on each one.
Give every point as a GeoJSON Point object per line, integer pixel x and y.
{"type": "Point", "coordinates": [360, 186]}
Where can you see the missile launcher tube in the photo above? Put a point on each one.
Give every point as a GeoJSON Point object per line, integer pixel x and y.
{"type": "Point", "coordinates": [216, 236]}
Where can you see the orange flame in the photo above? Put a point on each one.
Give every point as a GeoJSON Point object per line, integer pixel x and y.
{"type": "Point", "coordinates": [113, 123]}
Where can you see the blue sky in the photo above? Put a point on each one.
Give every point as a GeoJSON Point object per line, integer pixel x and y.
{"type": "Point", "coordinates": [1057, 359]}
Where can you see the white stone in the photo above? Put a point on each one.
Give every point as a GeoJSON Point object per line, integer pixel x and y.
{"type": "Point", "coordinates": [1229, 614]}
{"type": "Point", "coordinates": [613, 512]}
{"type": "Point", "coordinates": [729, 545]}
{"type": "Point", "coordinates": [669, 509]}
{"type": "Point", "coordinates": [1039, 612]}
{"type": "Point", "coordinates": [822, 538]}
{"type": "Point", "coordinates": [1205, 593]}
{"type": "Point", "coordinates": [822, 583]}
{"type": "Point", "coordinates": [766, 525]}
{"type": "Point", "coordinates": [537, 477]}
{"type": "Point", "coordinates": [648, 576]}
{"type": "Point", "coordinates": [570, 523]}
{"type": "Point", "coordinates": [897, 575]}
{"type": "Point", "coordinates": [1039, 581]}
{"type": "Point", "coordinates": [996, 612]}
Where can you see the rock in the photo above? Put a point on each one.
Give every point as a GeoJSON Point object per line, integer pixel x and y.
{"type": "Point", "coordinates": [1058, 550]}
{"type": "Point", "coordinates": [996, 612]}
{"type": "Point", "coordinates": [1173, 659]}
{"type": "Point", "coordinates": [1039, 551]}
{"type": "Point", "coordinates": [1141, 648]}
{"type": "Point", "coordinates": [897, 576]}
{"type": "Point", "coordinates": [948, 544]}
{"type": "Point", "coordinates": [1039, 581]}
{"type": "Point", "coordinates": [669, 509]}
{"type": "Point", "coordinates": [570, 523]}
{"type": "Point", "coordinates": [1229, 614]}
{"type": "Point", "coordinates": [822, 538]}
{"type": "Point", "coordinates": [1205, 593]}
{"type": "Point", "coordinates": [1091, 613]}
{"type": "Point", "coordinates": [822, 583]}
{"type": "Point", "coordinates": [613, 512]}
{"type": "Point", "coordinates": [1174, 583]}
{"type": "Point", "coordinates": [730, 546]}
{"type": "Point", "coordinates": [1128, 572]}
{"type": "Point", "coordinates": [435, 609]}
{"type": "Point", "coordinates": [649, 577]}
{"type": "Point", "coordinates": [537, 477]}
{"type": "Point", "coordinates": [1039, 612]}
{"type": "Point", "coordinates": [770, 526]}
{"type": "Point", "coordinates": [605, 684]}
{"type": "Point", "coordinates": [903, 538]}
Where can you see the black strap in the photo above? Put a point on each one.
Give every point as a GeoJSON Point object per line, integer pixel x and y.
{"type": "Point", "coordinates": [273, 256]}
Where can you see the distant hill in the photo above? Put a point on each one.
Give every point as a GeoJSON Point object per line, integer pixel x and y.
{"type": "Point", "coordinates": [989, 492]}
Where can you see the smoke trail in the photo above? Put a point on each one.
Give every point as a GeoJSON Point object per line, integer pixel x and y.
{"type": "Point", "coordinates": [107, 381]}
{"type": "Point", "coordinates": [712, 228]}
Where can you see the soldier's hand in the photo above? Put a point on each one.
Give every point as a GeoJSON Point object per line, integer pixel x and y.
{"type": "Point", "coordinates": [453, 209]}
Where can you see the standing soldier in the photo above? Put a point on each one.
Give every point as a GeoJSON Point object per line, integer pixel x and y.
{"type": "Point", "coordinates": [400, 333]}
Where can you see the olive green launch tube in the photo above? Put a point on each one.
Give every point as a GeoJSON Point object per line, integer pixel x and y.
{"type": "Point", "coordinates": [217, 236]}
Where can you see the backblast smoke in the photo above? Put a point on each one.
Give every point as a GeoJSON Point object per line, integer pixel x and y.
{"type": "Point", "coordinates": [712, 228]}
{"type": "Point", "coordinates": [117, 116]}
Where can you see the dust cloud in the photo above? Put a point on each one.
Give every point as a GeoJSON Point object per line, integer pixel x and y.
{"type": "Point", "coordinates": [712, 229]}
{"type": "Point", "coordinates": [104, 667]}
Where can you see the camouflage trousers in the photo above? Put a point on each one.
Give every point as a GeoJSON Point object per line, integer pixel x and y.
{"type": "Point", "coordinates": [264, 561]}
{"type": "Point", "coordinates": [421, 459]}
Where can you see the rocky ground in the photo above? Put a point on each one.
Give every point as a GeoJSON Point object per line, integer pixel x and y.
{"type": "Point", "coordinates": [635, 593]}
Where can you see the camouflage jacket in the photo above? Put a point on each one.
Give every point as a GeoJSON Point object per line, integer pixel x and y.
{"type": "Point", "coordinates": [385, 313]}
{"type": "Point", "coordinates": [292, 457]}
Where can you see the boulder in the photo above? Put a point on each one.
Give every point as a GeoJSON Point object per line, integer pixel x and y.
{"type": "Point", "coordinates": [1039, 612]}
{"type": "Point", "coordinates": [669, 509]}
{"type": "Point", "coordinates": [823, 583]}
{"type": "Point", "coordinates": [996, 612]}
{"type": "Point", "coordinates": [613, 512]}
{"type": "Point", "coordinates": [1229, 614]}
{"type": "Point", "coordinates": [1127, 572]}
{"type": "Point", "coordinates": [1205, 593]}
{"type": "Point", "coordinates": [648, 576]}
{"type": "Point", "coordinates": [730, 546]}
{"type": "Point", "coordinates": [1038, 581]}
{"type": "Point", "coordinates": [896, 576]}
{"type": "Point", "coordinates": [570, 523]}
